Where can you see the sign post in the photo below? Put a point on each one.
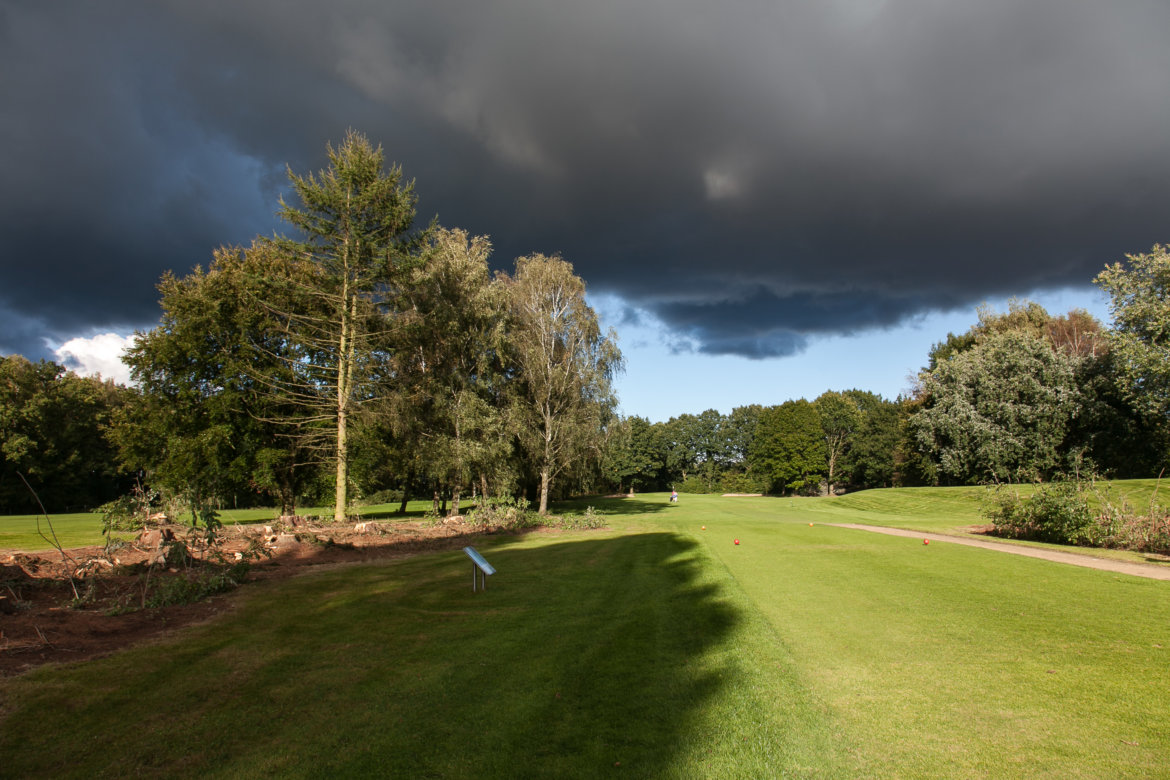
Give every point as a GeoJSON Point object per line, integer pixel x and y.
{"type": "Point", "coordinates": [480, 569]}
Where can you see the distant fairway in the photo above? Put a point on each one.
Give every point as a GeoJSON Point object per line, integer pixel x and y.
{"type": "Point", "coordinates": [654, 649]}
{"type": "Point", "coordinates": [84, 529]}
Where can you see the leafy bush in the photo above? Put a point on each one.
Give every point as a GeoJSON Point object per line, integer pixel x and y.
{"type": "Point", "coordinates": [1058, 512]}
{"type": "Point", "coordinates": [505, 512]}
{"type": "Point", "coordinates": [192, 588]}
{"type": "Point", "coordinates": [196, 548]}
{"type": "Point", "coordinates": [1122, 527]}
{"type": "Point", "coordinates": [514, 514]}
{"type": "Point", "coordinates": [742, 483]}
{"type": "Point", "coordinates": [388, 496]}
{"type": "Point", "coordinates": [693, 485]}
{"type": "Point", "coordinates": [1075, 512]}
{"type": "Point", "coordinates": [130, 512]}
{"type": "Point", "coordinates": [589, 519]}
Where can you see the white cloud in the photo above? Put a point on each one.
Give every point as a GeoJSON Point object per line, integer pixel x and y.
{"type": "Point", "coordinates": [98, 355]}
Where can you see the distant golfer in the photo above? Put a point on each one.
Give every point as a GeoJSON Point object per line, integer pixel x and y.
{"type": "Point", "coordinates": [673, 496]}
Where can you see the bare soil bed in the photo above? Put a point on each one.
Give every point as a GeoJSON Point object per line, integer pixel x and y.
{"type": "Point", "coordinates": [41, 621]}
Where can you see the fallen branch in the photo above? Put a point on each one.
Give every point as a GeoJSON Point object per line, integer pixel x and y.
{"type": "Point", "coordinates": [55, 542]}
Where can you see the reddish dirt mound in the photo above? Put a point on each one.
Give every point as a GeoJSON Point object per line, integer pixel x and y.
{"type": "Point", "coordinates": [39, 625]}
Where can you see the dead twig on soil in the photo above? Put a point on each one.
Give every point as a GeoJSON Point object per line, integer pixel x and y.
{"type": "Point", "coordinates": [54, 541]}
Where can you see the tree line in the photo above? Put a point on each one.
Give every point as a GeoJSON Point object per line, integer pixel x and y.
{"type": "Point", "coordinates": [367, 358]}
{"type": "Point", "coordinates": [1022, 396]}
{"type": "Point", "coordinates": [364, 356]}
{"type": "Point", "coordinates": [841, 439]}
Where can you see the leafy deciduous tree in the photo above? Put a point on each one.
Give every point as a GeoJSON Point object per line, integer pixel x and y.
{"type": "Point", "coordinates": [565, 365]}
{"type": "Point", "coordinates": [205, 422]}
{"type": "Point", "coordinates": [451, 360]}
{"type": "Point", "coordinates": [1140, 304]}
{"type": "Point", "coordinates": [634, 454]}
{"type": "Point", "coordinates": [872, 456]}
{"type": "Point", "coordinates": [53, 431]}
{"type": "Point", "coordinates": [789, 446]}
{"type": "Point", "coordinates": [1000, 411]}
{"type": "Point", "coordinates": [840, 418]}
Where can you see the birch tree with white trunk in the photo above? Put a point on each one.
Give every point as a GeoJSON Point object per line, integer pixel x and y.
{"type": "Point", "coordinates": [564, 366]}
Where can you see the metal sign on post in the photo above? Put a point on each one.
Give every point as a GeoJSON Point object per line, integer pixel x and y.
{"type": "Point", "coordinates": [480, 569]}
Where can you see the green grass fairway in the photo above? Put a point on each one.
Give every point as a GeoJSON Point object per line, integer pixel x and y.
{"type": "Point", "coordinates": [84, 529]}
{"type": "Point", "coordinates": [950, 661]}
{"type": "Point", "coordinates": [943, 510]}
{"type": "Point", "coordinates": [652, 649]}
{"type": "Point", "coordinates": [19, 532]}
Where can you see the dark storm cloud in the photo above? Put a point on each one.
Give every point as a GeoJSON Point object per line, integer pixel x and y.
{"type": "Point", "coordinates": [750, 173]}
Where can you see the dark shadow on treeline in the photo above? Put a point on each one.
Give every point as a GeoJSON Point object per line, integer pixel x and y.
{"type": "Point", "coordinates": [578, 656]}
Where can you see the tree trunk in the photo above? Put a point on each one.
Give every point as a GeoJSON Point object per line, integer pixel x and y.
{"type": "Point", "coordinates": [345, 355]}
{"type": "Point", "coordinates": [457, 487]}
{"type": "Point", "coordinates": [342, 484]}
{"type": "Point", "coordinates": [483, 488]}
{"type": "Point", "coordinates": [544, 482]}
{"type": "Point", "coordinates": [288, 501]}
{"type": "Point", "coordinates": [546, 467]}
{"type": "Point", "coordinates": [406, 491]}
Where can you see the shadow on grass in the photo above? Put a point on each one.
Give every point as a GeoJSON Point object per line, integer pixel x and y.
{"type": "Point", "coordinates": [580, 656]}
{"type": "Point", "coordinates": [605, 505]}
{"type": "Point", "coordinates": [375, 513]}
{"type": "Point", "coordinates": [612, 505]}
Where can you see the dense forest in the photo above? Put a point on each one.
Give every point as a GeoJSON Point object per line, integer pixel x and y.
{"type": "Point", "coordinates": [368, 359]}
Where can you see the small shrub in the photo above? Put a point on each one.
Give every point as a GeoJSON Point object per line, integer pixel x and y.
{"type": "Point", "coordinates": [693, 485]}
{"type": "Point", "coordinates": [393, 496]}
{"type": "Point", "coordinates": [192, 588]}
{"type": "Point", "coordinates": [128, 513]}
{"type": "Point", "coordinates": [1063, 512]}
{"type": "Point", "coordinates": [525, 520]}
{"type": "Point", "coordinates": [504, 511]}
{"type": "Point", "coordinates": [742, 483]}
{"type": "Point", "coordinates": [589, 519]}
{"type": "Point", "coordinates": [1122, 527]}
{"type": "Point", "coordinates": [1058, 512]}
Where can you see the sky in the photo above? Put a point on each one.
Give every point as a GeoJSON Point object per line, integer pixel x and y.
{"type": "Point", "coordinates": [767, 199]}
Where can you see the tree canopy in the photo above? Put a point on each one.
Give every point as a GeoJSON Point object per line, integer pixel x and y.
{"type": "Point", "coordinates": [54, 429]}
{"type": "Point", "coordinates": [565, 365]}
